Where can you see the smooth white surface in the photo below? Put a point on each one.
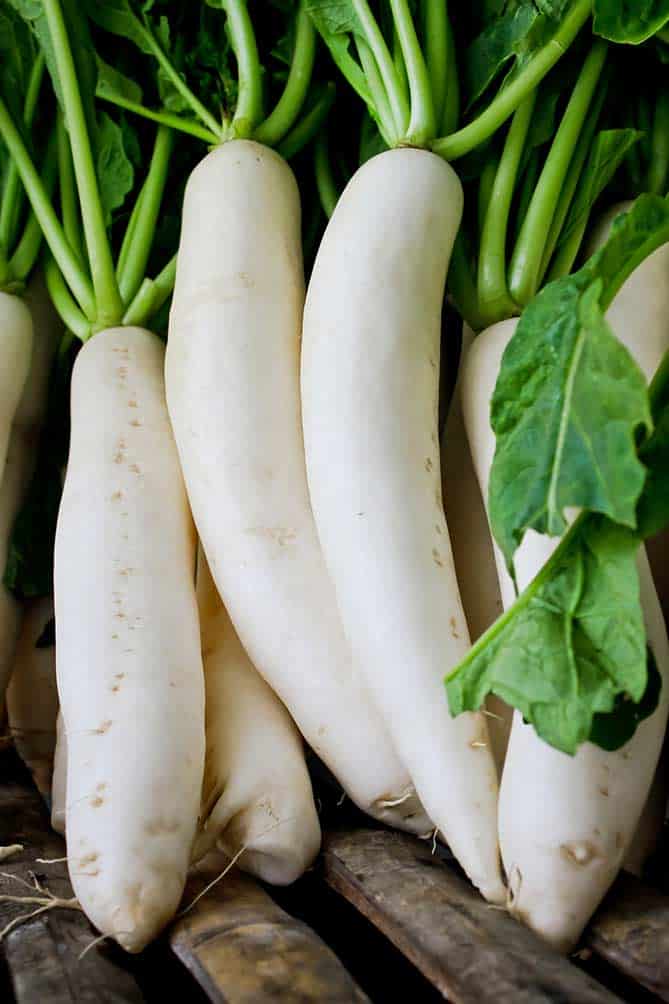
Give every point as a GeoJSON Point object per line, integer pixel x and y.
{"type": "Point", "coordinates": [370, 370]}
{"type": "Point", "coordinates": [234, 400]}
{"type": "Point", "coordinates": [256, 791]}
{"type": "Point", "coordinates": [128, 657]}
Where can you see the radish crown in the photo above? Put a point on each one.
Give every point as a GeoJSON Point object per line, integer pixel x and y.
{"type": "Point", "coordinates": [91, 287]}
{"type": "Point", "coordinates": [233, 102]}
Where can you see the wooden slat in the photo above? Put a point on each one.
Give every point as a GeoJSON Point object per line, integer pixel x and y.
{"type": "Point", "coordinates": [242, 948]}
{"type": "Point", "coordinates": [473, 953]}
{"type": "Point", "coordinates": [631, 932]}
{"type": "Point", "coordinates": [43, 955]}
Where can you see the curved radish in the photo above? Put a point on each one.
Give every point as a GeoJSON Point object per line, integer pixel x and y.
{"type": "Point", "coordinates": [127, 643]}
{"type": "Point", "coordinates": [16, 341]}
{"type": "Point", "coordinates": [32, 696]}
{"type": "Point", "coordinates": [642, 305]}
{"type": "Point", "coordinates": [472, 544]}
{"type": "Point", "coordinates": [565, 823]}
{"type": "Point", "coordinates": [28, 334]}
{"type": "Point", "coordinates": [233, 395]}
{"type": "Point", "coordinates": [369, 388]}
{"type": "Point", "coordinates": [256, 792]}
{"type": "Point", "coordinates": [59, 778]}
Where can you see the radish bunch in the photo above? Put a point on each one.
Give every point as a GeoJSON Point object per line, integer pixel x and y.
{"type": "Point", "coordinates": [270, 534]}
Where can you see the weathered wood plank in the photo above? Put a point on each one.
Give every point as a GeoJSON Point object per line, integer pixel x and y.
{"type": "Point", "coordinates": [43, 955]}
{"type": "Point", "coordinates": [473, 953]}
{"type": "Point", "coordinates": [242, 948]}
{"type": "Point", "coordinates": [631, 932]}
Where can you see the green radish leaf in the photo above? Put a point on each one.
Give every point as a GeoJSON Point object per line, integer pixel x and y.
{"type": "Point", "coordinates": [510, 38]}
{"type": "Point", "coordinates": [119, 17]}
{"type": "Point", "coordinates": [32, 13]}
{"type": "Point", "coordinates": [608, 151]}
{"type": "Point", "coordinates": [336, 22]}
{"type": "Point", "coordinates": [571, 645]}
{"type": "Point", "coordinates": [115, 171]}
{"type": "Point", "coordinates": [567, 406]}
{"type": "Point", "coordinates": [569, 399]}
{"type": "Point", "coordinates": [495, 47]}
{"type": "Point", "coordinates": [111, 81]}
{"type": "Point", "coordinates": [631, 21]}
{"type": "Point", "coordinates": [613, 729]}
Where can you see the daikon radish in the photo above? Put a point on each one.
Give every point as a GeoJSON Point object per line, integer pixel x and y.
{"type": "Point", "coordinates": [32, 697]}
{"type": "Point", "coordinates": [472, 544]}
{"type": "Point", "coordinates": [234, 400]}
{"type": "Point", "coordinates": [32, 326]}
{"type": "Point", "coordinates": [129, 667]}
{"type": "Point", "coordinates": [565, 823]}
{"type": "Point", "coordinates": [642, 309]}
{"type": "Point", "coordinates": [370, 367]}
{"type": "Point", "coordinates": [257, 792]}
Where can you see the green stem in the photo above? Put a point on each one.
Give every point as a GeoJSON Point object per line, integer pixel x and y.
{"type": "Point", "coordinates": [462, 288]}
{"type": "Point", "coordinates": [493, 292]}
{"type": "Point", "coordinates": [249, 110]}
{"type": "Point", "coordinates": [328, 191]}
{"type": "Point", "coordinates": [108, 300]}
{"type": "Point", "coordinates": [435, 33]}
{"type": "Point", "coordinates": [63, 301]}
{"type": "Point", "coordinates": [571, 182]}
{"type": "Point", "coordinates": [385, 119]}
{"type": "Point", "coordinates": [289, 105]}
{"type": "Point", "coordinates": [486, 183]}
{"type": "Point", "coordinates": [164, 118]}
{"type": "Point", "coordinates": [391, 82]}
{"type": "Point", "coordinates": [422, 126]}
{"type": "Point", "coordinates": [567, 253]}
{"type": "Point", "coordinates": [451, 113]}
{"type": "Point", "coordinates": [12, 192]}
{"type": "Point", "coordinates": [151, 295]}
{"type": "Point", "coordinates": [528, 253]}
{"type": "Point", "coordinates": [69, 205]}
{"type": "Point", "coordinates": [180, 85]}
{"type": "Point", "coordinates": [398, 60]}
{"type": "Point", "coordinates": [659, 158]}
{"type": "Point", "coordinates": [545, 574]}
{"type": "Point", "coordinates": [309, 125]}
{"type": "Point", "coordinates": [137, 255]}
{"type": "Point", "coordinates": [66, 257]}
{"type": "Point", "coordinates": [507, 100]}
{"type": "Point", "coordinates": [122, 260]}
{"type": "Point", "coordinates": [27, 250]}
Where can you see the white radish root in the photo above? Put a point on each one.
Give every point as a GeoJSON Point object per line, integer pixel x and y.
{"type": "Point", "coordinates": [129, 665]}
{"type": "Point", "coordinates": [255, 772]}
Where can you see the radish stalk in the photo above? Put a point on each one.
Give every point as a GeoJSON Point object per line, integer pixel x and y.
{"type": "Point", "coordinates": [566, 823]}
{"type": "Point", "coordinates": [256, 792]}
